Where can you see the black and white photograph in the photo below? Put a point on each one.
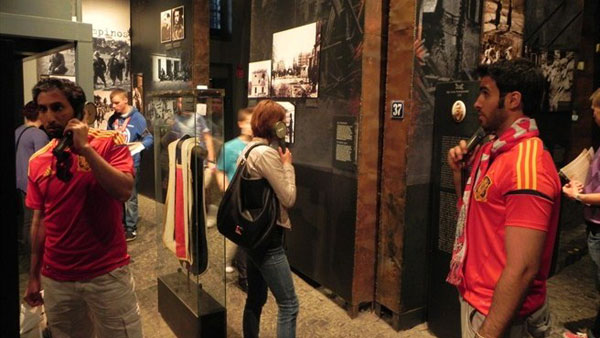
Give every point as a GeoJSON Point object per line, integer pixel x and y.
{"type": "Point", "coordinates": [165, 26]}
{"type": "Point", "coordinates": [111, 63]}
{"type": "Point", "coordinates": [502, 30]}
{"type": "Point", "coordinates": [177, 26]}
{"type": "Point", "coordinates": [259, 78]}
{"type": "Point", "coordinates": [295, 62]}
{"type": "Point", "coordinates": [169, 69]}
{"type": "Point", "coordinates": [558, 67]}
{"type": "Point", "coordinates": [60, 63]}
{"type": "Point", "coordinates": [290, 120]}
{"type": "Point", "coordinates": [103, 108]}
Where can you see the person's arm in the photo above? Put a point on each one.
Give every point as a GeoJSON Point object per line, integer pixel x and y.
{"type": "Point", "coordinates": [210, 148]}
{"type": "Point", "coordinates": [524, 247]}
{"type": "Point", "coordinates": [222, 180]}
{"type": "Point", "coordinates": [456, 163]}
{"type": "Point", "coordinates": [573, 191]}
{"type": "Point", "coordinates": [116, 183]}
{"type": "Point", "coordinates": [279, 171]}
{"type": "Point", "coordinates": [145, 134]}
{"type": "Point", "coordinates": [38, 237]}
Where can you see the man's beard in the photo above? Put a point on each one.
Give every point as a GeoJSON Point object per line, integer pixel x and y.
{"type": "Point", "coordinates": [55, 132]}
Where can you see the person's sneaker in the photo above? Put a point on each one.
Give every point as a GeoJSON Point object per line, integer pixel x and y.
{"type": "Point", "coordinates": [130, 235]}
{"type": "Point", "coordinates": [569, 334]}
{"type": "Point", "coordinates": [229, 269]}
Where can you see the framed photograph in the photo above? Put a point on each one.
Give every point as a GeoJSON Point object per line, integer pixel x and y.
{"type": "Point", "coordinates": [558, 67]}
{"type": "Point", "coordinates": [502, 30]}
{"type": "Point", "coordinates": [259, 78]}
{"type": "Point", "coordinates": [295, 62]}
{"type": "Point", "coordinates": [178, 26]}
{"type": "Point", "coordinates": [165, 26]}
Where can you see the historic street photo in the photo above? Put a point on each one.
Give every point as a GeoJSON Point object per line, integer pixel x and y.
{"type": "Point", "coordinates": [295, 62]}
{"type": "Point", "coordinates": [259, 78]}
{"type": "Point", "coordinates": [502, 32]}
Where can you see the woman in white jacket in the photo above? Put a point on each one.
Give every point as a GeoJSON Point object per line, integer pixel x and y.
{"type": "Point", "coordinates": [268, 266]}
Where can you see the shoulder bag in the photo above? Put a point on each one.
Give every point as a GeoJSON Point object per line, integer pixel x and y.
{"type": "Point", "coordinates": [249, 209]}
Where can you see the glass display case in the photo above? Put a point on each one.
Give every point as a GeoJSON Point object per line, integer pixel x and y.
{"type": "Point", "coordinates": [188, 131]}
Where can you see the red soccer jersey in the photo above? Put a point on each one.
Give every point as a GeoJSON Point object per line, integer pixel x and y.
{"type": "Point", "coordinates": [84, 232]}
{"type": "Point", "coordinates": [520, 188]}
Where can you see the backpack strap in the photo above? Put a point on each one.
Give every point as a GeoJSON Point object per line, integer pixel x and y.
{"type": "Point", "coordinates": [19, 138]}
{"type": "Point", "coordinates": [254, 146]}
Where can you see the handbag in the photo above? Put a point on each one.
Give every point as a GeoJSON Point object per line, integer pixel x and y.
{"type": "Point", "coordinates": [249, 210]}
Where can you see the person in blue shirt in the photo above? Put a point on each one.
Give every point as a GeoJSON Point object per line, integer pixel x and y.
{"type": "Point", "coordinates": [132, 124]}
{"type": "Point", "coordinates": [226, 166]}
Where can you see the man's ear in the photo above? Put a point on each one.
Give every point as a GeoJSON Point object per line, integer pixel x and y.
{"type": "Point", "coordinates": [512, 101]}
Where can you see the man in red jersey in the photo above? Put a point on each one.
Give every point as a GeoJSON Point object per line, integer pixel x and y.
{"type": "Point", "coordinates": [77, 240]}
{"type": "Point", "coordinates": [509, 210]}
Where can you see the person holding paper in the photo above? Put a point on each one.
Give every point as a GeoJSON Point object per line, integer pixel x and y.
{"type": "Point", "coordinates": [588, 193]}
{"type": "Point", "coordinates": [131, 123]}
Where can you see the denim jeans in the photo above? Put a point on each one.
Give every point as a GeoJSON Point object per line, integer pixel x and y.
{"type": "Point", "coordinates": [269, 268]}
{"type": "Point", "coordinates": [593, 242]}
{"type": "Point", "coordinates": [131, 205]}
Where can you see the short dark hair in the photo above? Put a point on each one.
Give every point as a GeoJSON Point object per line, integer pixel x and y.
{"type": "Point", "coordinates": [266, 114]}
{"type": "Point", "coordinates": [519, 75]}
{"type": "Point", "coordinates": [73, 92]}
{"type": "Point", "coordinates": [30, 111]}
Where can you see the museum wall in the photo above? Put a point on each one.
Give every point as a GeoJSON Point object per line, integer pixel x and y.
{"type": "Point", "coordinates": [161, 63]}
{"type": "Point", "coordinates": [321, 244]}
{"type": "Point", "coordinates": [229, 62]}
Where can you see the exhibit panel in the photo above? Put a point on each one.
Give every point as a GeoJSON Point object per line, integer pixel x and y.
{"type": "Point", "coordinates": [191, 252]}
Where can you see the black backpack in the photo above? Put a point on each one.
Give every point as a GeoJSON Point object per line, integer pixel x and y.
{"type": "Point", "coordinates": [249, 210]}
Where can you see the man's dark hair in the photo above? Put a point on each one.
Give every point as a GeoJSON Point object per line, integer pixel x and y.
{"type": "Point", "coordinates": [519, 75]}
{"type": "Point", "coordinates": [71, 90]}
{"type": "Point", "coordinates": [30, 111]}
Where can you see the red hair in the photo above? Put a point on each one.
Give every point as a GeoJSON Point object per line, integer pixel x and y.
{"type": "Point", "coordinates": [265, 115]}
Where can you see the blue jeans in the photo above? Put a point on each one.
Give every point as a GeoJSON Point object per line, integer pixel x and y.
{"type": "Point", "coordinates": [269, 268]}
{"type": "Point", "coordinates": [593, 242]}
{"type": "Point", "coordinates": [131, 205]}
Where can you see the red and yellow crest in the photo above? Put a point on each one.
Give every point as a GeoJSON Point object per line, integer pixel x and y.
{"type": "Point", "coordinates": [482, 189]}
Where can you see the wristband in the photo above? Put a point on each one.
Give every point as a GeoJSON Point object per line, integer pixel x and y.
{"type": "Point", "coordinates": [578, 197]}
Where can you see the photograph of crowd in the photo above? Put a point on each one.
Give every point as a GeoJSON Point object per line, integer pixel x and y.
{"type": "Point", "coordinates": [111, 63]}
{"type": "Point", "coordinates": [57, 63]}
{"type": "Point", "coordinates": [165, 26]}
{"type": "Point", "coordinates": [295, 62]}
{"type": "Point", "coordinates": [177, 26]}
{"type": "Point", "coordinates": [502, 30]}
{"type": "Point", "coordinates": [103, 108]}
{"type": "Point", "coordinates": [259, 78]}
{"type": "Point", "coordinates": [558, 67]}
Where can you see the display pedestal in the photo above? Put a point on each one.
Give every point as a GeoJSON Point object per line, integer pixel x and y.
{"type": "Point", "coordinates": [188, 309]}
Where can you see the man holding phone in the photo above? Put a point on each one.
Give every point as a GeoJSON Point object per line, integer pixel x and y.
{"type": "Point", "coordinates": [79, 252]}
